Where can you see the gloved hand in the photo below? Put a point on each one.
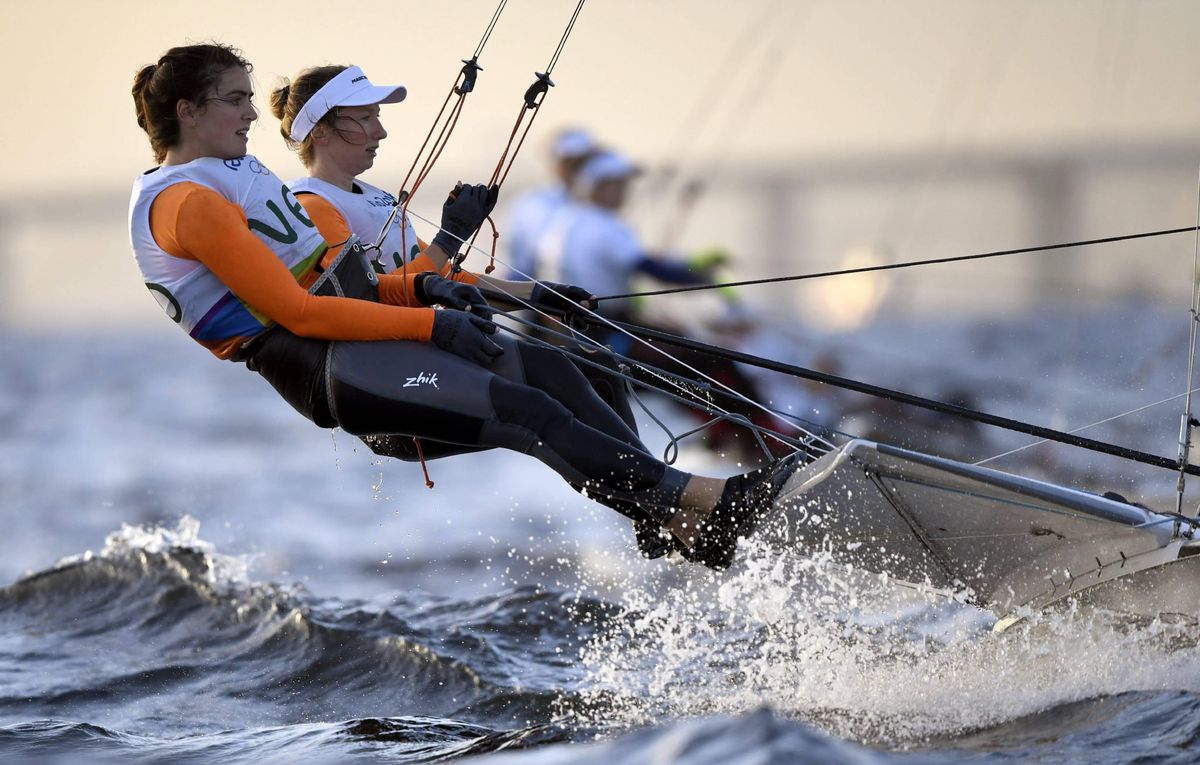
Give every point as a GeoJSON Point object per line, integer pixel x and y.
{"type": "Point", "coordinates": [432, 288]}
{"type": "Point", "coordinates": [709, 259]}
{"type": "Point", "coordinates": [465, 210]}
{"type": "Point", "coordinates": [568, 299]}
{"type": "Point", "coordinates": [466, 335]}
{"type": "Point", "coordinates": [705, 263]}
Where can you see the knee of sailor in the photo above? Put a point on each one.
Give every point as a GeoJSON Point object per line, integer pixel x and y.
{"type": "Point", "coordinates": [526, 406]}
{"type": "Point", "coordinates": [548, 360]}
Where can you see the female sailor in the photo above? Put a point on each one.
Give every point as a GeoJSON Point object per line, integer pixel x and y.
{"type": "Point", "coordinates": [330, 115]}
{"type": "Point", "coordinates": [233, 258]}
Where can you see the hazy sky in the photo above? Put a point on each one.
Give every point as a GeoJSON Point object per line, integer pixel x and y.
{"type": "Point", "coordinates": [659, 78]}
{"type": "Point", "coordinates": [754, 82]}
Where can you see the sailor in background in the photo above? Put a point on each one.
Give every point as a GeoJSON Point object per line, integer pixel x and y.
{"type": "Point", "coordinates": [532, 213]}
{"type": "Point", "coordinates": [589, 244]}
{"type": "Point", "coordinates": [587, 238]}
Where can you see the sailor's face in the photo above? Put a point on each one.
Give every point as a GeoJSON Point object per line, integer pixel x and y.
{"type": "Point", "coordinates": [610, 193]}
{"type": "Point", "coordinates": [355, 138]}
{"type": "Point", "coordinates": [220, 123]}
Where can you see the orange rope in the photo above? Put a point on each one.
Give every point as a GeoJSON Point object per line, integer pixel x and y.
{"type": "Point", "coordinates": [532, 103]}
{"type": "Point", "coordinates": [421, 456]}
{"type": "Point", "coordinates": [439, 144]}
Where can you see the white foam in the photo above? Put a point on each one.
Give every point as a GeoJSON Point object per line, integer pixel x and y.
{"type": "Point", "coordinates": [222, 572]}
{"type": "Point", "coordinates": [859, 657]}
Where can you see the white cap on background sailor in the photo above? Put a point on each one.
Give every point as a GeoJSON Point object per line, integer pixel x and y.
{"type": "Point", "coordinates": [604, 165]}
{"type": "Point", "coordinates": [349, 88]}
{"type": "Point", "coordinates": [572, 144]}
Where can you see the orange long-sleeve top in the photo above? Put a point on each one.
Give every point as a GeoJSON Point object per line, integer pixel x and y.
{"type": "Point", "coordinates": [194, 222]}
{"type": "Point", "coordinates": [330, 223]}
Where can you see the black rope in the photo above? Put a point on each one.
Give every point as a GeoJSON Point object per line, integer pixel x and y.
{"type": "Point", "coordinates": [563, 42]}
{"type": "Point", "coordinates": [682, 382]}
{"type": "Point", "coordinates": [907, 264]}
{"type": "Point", "coordinates": [487, 33]}
{"type": "Point", "coordinates": [904, 398]}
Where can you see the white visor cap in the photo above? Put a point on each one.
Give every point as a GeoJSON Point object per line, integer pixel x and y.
{"type": "Point", "coordinates": [349, 88]}
{"type": "Point", "coordinates": [573, 143]}
{"type": "Point", "coordinates": [605, 166]}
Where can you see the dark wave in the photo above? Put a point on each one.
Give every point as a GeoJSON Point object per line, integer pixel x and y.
{"type": "Point", "coordinates": [402, 739]}
{"type": "Point", "coordinates": [144, 655]}
{"type": "Point", "coordinates": [157, 641]}
{"type": "Point", "coordinates": [1119, 730]}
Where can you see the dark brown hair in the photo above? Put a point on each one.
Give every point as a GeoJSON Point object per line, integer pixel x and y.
{"type": "Point", "coordinates": [187, 73]}
{"type": "Point", "coordinates": [290, 97]}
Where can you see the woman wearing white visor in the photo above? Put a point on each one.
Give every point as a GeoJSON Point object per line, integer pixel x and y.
{"type": "Point", "coordinates": [330, 115]}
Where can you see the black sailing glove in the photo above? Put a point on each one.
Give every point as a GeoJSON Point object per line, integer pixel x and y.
{"type": "Point", "coordinates": [562, 298]}
{"type": "Point", "coordinates": [465, 335]}
{"type": "Point", "coordinates": [431, 288]}
{"type": "Point", "coordinates": [465, 210]}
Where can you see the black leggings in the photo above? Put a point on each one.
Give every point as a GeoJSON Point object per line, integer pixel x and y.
{"type": "Point", "coordinates": [532, 400]}
{"type": "Point", "coordinates": [600, 369]}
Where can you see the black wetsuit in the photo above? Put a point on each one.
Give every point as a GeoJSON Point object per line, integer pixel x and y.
{"type": "Point", "coordinates": [532, 400]}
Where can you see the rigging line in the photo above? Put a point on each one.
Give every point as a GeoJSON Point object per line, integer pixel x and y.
{"type": "Point", "coordinates": [686, 385]}
{"type": "Point", "coordinates": [596, 319]}
{"type": "Point", "coordinates": [1082, 428]}
{"type": "Point", "coordinates": [488, 32]}
{"type": "Point", "coordinates": [464, 83]}
{"type": "Point", "coordinates": [806, 426]}
{"type": "Point", "coordinates": [707, 407]}
{"type": "Point", "coordinates": [908, 264]}
{"type": "Point", "coordinates": [695, 399]}
{"type": "Point", "coordinates": [907, 398]}
{"type": "Point", "coordinates": [677, 380]}
{"type": "Point", "coordinates": [736, 119]}
{"type": "Point", "coordinates": [563, 42]}
{"type": "Point", "coordinates": [1185, 426]}
{"type": "Point", "coordinates": [535, 95]}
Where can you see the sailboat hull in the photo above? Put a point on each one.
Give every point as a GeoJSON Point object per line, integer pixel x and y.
{"type": "Point", "coordinates": [1010, 544]}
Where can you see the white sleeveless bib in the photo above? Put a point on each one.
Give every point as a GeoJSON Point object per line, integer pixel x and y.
{"type": "Point", "coordinates": [191, 294]}
{"type": "Point", "coordinates": [365, 214]}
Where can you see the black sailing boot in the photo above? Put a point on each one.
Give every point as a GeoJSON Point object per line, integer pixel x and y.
{"type": "Point", "coordinates": [743, 503]}
{"type": "Point", "coordinates": [653, 541]}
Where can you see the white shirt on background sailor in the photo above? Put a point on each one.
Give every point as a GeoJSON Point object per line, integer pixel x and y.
{"type": "Point", "coordinates": [590, 246]}
{"type": "Point", "coordinates": [532, 214]}
{"type": "Point", "coordinates": [527, 223]}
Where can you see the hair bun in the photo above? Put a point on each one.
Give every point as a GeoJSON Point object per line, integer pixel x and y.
{"type": "Point", "coordinates": [279, 99]}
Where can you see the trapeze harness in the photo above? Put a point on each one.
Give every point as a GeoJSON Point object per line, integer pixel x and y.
{"type": "Point", "coordinates": [533, 400]}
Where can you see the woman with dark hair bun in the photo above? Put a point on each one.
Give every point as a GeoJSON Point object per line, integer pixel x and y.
{"type": "Point", "coordinates": [233, 258]}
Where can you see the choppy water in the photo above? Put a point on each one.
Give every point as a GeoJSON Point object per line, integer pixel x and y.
{"type": "Point", "coordinates": [192, 573]}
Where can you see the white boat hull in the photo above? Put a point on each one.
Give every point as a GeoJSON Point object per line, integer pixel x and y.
{"type": "Point", "coordinates": [1012, 544]}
